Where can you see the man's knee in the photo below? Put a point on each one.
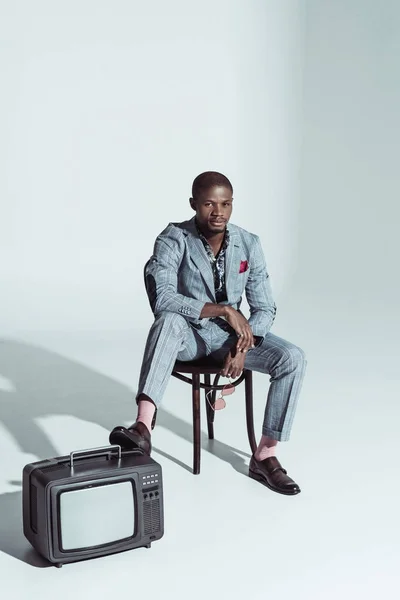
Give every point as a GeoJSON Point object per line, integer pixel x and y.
{"type": "Point", "coordinates": [288, 356]}
{"type": "Point", "coordinates": [295, 355]}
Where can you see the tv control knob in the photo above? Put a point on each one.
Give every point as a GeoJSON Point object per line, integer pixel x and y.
{"type": "Point", "coordinates": [151, 494]}
{"type": "Point", "coordinates": [145, 496]}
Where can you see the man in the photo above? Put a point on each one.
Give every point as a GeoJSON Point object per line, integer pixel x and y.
{"type": "Point", "coordinates": [195, 281]}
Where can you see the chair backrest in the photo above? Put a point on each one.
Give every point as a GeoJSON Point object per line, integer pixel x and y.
{"type": "Point", "coordinates": [150, 286]}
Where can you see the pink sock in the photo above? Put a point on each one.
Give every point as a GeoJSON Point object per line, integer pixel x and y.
{"type": "Point", "coordinates": [266, 448]}
{"type": "Point", "coordinates": [146, 410]}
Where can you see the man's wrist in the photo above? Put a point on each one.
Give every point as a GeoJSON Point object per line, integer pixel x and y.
{"type": "Point", "coordinates": [226, 310]}
{"type": "Point", "coordinates": [211, 310]}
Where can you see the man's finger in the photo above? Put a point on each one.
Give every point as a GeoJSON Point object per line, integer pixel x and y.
{"type": "Point", "coordinates": [226, 369]}
{"type": "Point", "coordinates": [245, 342]}
{"type": "Point", "coordinates": [240, 344]}
{"type": "Point", "coordinates": [249, 338]}
{"type": "Point", "coordinates": [236, 374]}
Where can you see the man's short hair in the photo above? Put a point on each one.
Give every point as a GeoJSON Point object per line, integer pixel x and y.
{"type": "Point", "coordinates": [207, 180]}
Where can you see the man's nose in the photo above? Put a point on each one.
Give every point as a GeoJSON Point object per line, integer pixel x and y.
{"type": "Point", "coordinates": [218, 210]}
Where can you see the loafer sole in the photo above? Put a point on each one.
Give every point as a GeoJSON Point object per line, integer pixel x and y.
{"type": "Point", "coordinates": [262, 479]}
{"type": "Point", "coordinates": [127, 440]}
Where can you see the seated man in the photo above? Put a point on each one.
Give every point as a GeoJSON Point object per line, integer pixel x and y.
{"type": "Point", "coordinates": [195, 281]}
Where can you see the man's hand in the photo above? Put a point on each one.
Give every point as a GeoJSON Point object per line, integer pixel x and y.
{"type": "Point", "coordinates": [233, 363]}
{"type": "Point", "coordinates": [242, 328]}
{"type": "Point", "coordinates": [235, 319]}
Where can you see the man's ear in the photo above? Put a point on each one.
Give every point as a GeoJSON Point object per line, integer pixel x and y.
{"type": "Point", "coordinates": [193, 203]}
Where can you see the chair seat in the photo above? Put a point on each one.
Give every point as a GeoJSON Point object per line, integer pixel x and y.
{"type": "Point", "coordinates": [204, 365]}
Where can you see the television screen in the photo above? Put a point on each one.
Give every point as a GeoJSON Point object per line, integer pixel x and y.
{"type": "Point", "coordinates": [96, 515]}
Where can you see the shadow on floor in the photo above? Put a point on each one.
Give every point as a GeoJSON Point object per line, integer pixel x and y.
{"type": "Point", "coordinates": [46, 383]}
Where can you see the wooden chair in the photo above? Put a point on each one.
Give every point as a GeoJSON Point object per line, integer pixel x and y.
{"type": "Point", "coordinates": [208, 367]}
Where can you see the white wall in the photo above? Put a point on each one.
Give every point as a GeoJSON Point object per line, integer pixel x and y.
{"type": "Point", "coordinates": [108, 112]}
{"type": "Point", "coordinates": [346, 280]}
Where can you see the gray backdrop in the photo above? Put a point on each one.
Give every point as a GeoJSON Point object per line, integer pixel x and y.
{"type": "Point", "coordinates": [108, 111]}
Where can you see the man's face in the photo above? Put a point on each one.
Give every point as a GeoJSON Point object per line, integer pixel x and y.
{"type": "Point", "coordinates": [213, 209]}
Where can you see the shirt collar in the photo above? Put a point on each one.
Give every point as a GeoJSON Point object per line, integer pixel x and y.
{"type": "Point", "coordinates": [204, 240]}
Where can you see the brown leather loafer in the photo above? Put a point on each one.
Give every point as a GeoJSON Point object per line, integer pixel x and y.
{"type": "Point", "coordinates": [271, 473]}
{"type": "Point", "coordinates": [135, 436]}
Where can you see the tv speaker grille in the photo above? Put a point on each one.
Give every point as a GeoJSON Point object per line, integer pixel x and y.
{"type": "Point", "coordinates": [151, 514]}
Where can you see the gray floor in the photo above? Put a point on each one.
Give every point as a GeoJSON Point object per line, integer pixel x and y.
{"type": "Point", "coordinates": [225, 535]}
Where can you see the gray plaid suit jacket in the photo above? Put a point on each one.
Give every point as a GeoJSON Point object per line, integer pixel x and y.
{"type": "Point", "coordinates": [179, 276]}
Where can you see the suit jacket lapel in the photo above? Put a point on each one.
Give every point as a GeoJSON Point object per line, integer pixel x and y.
{"type": "Point", "coordinates": [200, 258]}
{"type": "Point", "coordinates": [232, 263]}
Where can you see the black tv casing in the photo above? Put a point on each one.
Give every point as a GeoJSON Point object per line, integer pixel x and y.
{"type": "Point", "coordinates": [43, 481]}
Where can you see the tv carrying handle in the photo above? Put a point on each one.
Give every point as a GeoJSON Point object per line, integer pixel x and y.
{"type": "Point", "coordinates": [91, 452]}
{"type": "Point", "coordinates": [102, 451]}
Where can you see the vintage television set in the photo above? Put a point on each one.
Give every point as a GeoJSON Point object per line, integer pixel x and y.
{"type": "Point", "coordinates": [92, 503]}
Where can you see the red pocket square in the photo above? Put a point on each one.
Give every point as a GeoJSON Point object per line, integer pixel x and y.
{"type": "Point", "coordinates": [244, 265]}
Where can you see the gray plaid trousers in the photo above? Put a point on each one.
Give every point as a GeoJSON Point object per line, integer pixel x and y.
{"type": "Point", "coordinates": [172, 337]}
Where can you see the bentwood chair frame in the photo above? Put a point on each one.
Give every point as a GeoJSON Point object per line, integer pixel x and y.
{"type": "Point", "coordinates": [207, 367]}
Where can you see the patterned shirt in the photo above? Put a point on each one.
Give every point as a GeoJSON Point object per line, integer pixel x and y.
{"type": "Point", "coordinates": [217, 265]}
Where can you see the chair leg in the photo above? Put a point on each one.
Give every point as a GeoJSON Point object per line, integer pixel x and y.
{"type": "Point", "coordinates": [249, 410]}
{"type": "Point", "coordinates": [213, 398]}
{"type": "Point", "coordinates": [196, 422]}
{"type": "Point", "coordinates": [209, 410]}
